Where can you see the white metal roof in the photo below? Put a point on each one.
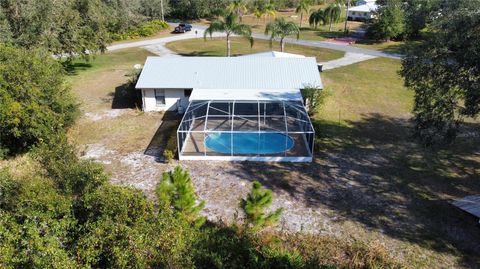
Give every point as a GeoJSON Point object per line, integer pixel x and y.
{"type": "Point", "coordinates": [274, 54]}
{"type": "Point", "coordinates": [229, 73]}
{"type": "Point", "coordinates": [369, 7]}
{"type": "Point", "coordinates": [246, 94]}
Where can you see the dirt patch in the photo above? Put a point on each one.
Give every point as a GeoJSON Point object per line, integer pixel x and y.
{"type": "Point", "coordinates": [108, 114]}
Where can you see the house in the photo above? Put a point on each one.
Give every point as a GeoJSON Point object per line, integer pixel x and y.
{"type": "Point", "coordinates": [236, 108]}
{"type": "Point", "coordinates": [365, 10]}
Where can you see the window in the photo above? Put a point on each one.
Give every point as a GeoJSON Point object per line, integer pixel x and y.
{"type": "Point", "coordinates": [160, 97]}
{"type": "Point", "coordinates": [365, 14]}
{"type": "Point", "coordinates": [187, 93]}
{"type": "Point", "coordinates": [354, 13]}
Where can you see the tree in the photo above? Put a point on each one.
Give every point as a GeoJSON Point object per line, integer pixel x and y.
{"type": "Point", "coordinates": [303, 7]}
{"type": "Point", "coordinates": [176, 192]}
{"type": "Point", "coordinates": [154, 9]}
{"type": "Point", "coordinates": [280, 28]}
{"type": "Point", "coordinates": [313, 98]}
{"type": "Point", "coordinates": [238, 7]}
{"type": "Point", "coordinates": [36, 105]}
{"type": "Point", "coordinates": [390, 21]}
{"type": "Point", "coordinates": [418, 15]}
{"type": "Point", "coordinates": [270, 10]}
{"type": "Point", "coordinates": [230, 26]}
{"type": "Point", "coordinates": [255, 204]}
{"type": "Point", "coordinates": [332, 14]}
{"type": "Point", "coordinates": [346, 15]}
{"type": "Point", "coordinates": [443, 72]}
{"type": "Point", "coordinates": [317, 17]}
{"type": "Point", "coordinates": [258, 13]}
{"type": "Point", "coordinates": [65, 28]}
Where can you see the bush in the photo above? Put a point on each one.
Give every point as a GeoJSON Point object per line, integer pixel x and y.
{"type": "Point", "coordinates": [313, 98]}
{"type": "Point", "coordinates": [171, 146]}
{"type": "Point", "coordinates": [71, 175]}
{"type": "Point", "coordinates": [34, 105]}
{"type": "Point", "coordinates": [143, 30]}
{"type": "Point", "coordinates": [255, 204]}
{"type": "Point", "coordinates": [168, 155]}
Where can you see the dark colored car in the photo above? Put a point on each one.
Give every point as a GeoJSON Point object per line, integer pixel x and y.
{"type": "Point", "coordinates": [183, 27]}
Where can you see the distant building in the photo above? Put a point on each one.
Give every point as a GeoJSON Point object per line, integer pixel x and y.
{"type": "Point", "coordinates": [365, 10]}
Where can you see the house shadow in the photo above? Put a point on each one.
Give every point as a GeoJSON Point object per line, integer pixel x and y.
{"type": "Point", "coordinates": [126, 96]}
{"type": "Point", "coordinates": [371, 172]}
{"type": "Point", "coordinates": [167, 130]}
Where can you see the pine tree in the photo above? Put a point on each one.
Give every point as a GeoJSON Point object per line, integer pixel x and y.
{"type": "Point", "coordinates": [255, 204]}
{"type": "Point", "coordinates": [176, 192]}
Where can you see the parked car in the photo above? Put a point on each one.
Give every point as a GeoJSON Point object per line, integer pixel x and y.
{"type": "Point", "coordinates": [183, 27]}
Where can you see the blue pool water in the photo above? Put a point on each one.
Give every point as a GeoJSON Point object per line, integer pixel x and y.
{"type": "Point", "coordinates": [249, 143]}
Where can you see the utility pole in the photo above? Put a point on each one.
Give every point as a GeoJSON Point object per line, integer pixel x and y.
{"type": "Point", "coordinates": [346, 17]}
{"type": "Point", "coordinates": [161, 10]}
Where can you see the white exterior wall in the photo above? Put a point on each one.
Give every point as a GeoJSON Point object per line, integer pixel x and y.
{"type": "Point", "coordinates": [171, 100]}
{"type": "Point", "coordinates": [360, 15]}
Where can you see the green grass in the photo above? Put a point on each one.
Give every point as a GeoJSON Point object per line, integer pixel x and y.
{"type": "Point", "coordinates": [124, 59]}
{"type": "Point", "coordinates": [217, 47]}
{"type": "Point", "coordinates": [365, 125]}
{"type": "Point", "coordinates": [399, 47]}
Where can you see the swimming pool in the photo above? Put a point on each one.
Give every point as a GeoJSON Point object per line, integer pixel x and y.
{"type": "Point", "coordinates": [249, 143]}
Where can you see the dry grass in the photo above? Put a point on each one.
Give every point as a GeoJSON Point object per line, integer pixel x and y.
{"type": "Point", "coordinates": [217, 47]}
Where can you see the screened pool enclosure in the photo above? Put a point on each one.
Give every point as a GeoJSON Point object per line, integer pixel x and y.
{"type": "Point", "coordinates": [246, 130]}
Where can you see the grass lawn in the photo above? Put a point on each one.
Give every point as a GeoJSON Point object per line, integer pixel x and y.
{"type": "Point", "coordinates": [399, 47]}
{"type": "Point", "coordinates": [372, 182]}
{"type": "Point", "coordinates": [110, 115]}
{"type": "Point", "coordinates": [390, 184]}
{"type": "Point", "coordinates": [218, 47]}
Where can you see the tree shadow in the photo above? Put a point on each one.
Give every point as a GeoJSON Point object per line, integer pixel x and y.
{"type": "Point", "coordinates": [72, 69]}
{"type": "Point", "coordinates": [371, 172]}
{"type": "Point", "coordinates": [167, 128]}
{"type": "Point", "coordinates": [126, 96]}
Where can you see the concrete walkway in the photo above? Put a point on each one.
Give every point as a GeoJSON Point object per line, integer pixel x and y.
{"type": "Point", "coordinates": [352, 54]}
{"type": "Point", "coordinates": [348, 59]}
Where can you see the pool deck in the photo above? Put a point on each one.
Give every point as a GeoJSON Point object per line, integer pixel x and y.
{"type": "Point", "coordinates": [195, 146]}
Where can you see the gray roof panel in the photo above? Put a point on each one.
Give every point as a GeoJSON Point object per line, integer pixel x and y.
{"type": "Point", "coordinates": [229, 73]}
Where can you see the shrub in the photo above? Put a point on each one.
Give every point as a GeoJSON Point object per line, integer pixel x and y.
{"type": "Point", "coordinates": [255, 204]}
{"type": "Point", "coordinates": [313, 98]}
{"type": "Point", "coordinates": [143, 30]}
{"type": "Point", "coordinates": [176, 192]}
{"type": "Point", "coordinates": [34, 105]}
{"type": "Point", "coordinates": [171, 146]}
{"type": "Point", "coordinates": [35, 224]}
{"type": "Point", "coordinates": [168, 155]}
{"type": "Point", "coordinates": [71, 175]}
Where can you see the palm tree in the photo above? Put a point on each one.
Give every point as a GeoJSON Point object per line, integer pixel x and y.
{"type": "Point", "coordinates": [316, 18]}
{"type": "Point", "coordinates": [270, 11]}
{"type": "Point", "coordinates": [258, 13]}
{"type": "Point", "coordinates": [230, 26]}
{"type": "Point", "coordinates": [332, 14]}
{"type": "Point", "coordinates": [303, 7]}
{"type": "Point", "coordinates": [239, 7]}
{"type": "Point", "coordinates": [280, 28]}
{"type": "Point", "coordinates": [346, 16]}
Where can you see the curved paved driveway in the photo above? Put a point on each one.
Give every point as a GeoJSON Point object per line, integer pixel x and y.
{"type": "Point", "coordinates": [352, 54]}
